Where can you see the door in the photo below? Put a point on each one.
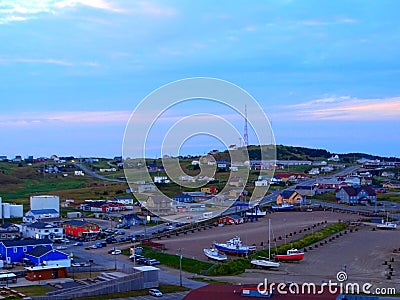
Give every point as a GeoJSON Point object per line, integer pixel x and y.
{"type": "Point", "coordinates": [55, 273]}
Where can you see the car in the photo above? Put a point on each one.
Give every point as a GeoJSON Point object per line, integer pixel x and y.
{"type": "Point", "coordinates": [170, 227]}
{"type": "Point", "coordinates": [120, 232]}
{"type": "Point", "coordinates": [78, 244]}
{"type": "Point", "coordinates": [155, 293]}
{"type": "Point", "coordinates": [152, 262]}
{"type": "Point", "coordinates": [116, 252]}
{"type": "Point", "coordinates": [120, 225]}
{"type": "Point", "coordinates": [93, 247]}
{"type": "Point", "coordinates": [111, 240]}
{"type": "Point", "coordinates": [61, 247]}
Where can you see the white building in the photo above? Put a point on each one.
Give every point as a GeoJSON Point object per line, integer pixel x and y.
{"type": "Point", "coordinates": [261, 183]}
{"type": "Point", "coordinates": [42, 230]}
{"type": "Point", "coordinates": [45, 202]}
{"type": "Point", "coordinates": [161, 179]}
{"type": "Point", "coordinates": [9, 210]}
{"type": "Point", "coordinates": [40, 214]}
{"type": "Point", "coordinates": [314, 171]}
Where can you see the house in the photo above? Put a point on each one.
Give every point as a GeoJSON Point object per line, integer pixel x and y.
{"type": "Point", "coordinates": [232, 219]}
{"type": "Point", "coordinates": [159, 204]}
{"type": "Point", "coordinates": [306, 190]}
{"type": "Point", "coordinates": [131, 219]}
{"type": "Point", "coordinates": [391, 185]}
{"type": "Point", "coordinates": [261, 183]}
{"type": "Point", "coordinates": [236, 182]}
{"type": "Point", "coordinates": [353, 180]}
{"type": "Point", "coordinates": [161, 179]}
{"type": "Point", "coordinates": [185, 198]}
{"type": "Point", "coordinates": [45, 272]}
{"type": "Point", "coordinates": [352, 195]}
{"type": "Point", "coordinates": [81, 228]}
{"type": "Point", "coordinates": [366, 181]}
{"type": "Point", "coordinates": [42, 230]}
{"type": "Point", "coordinates": [334, 158]}
{"type": "Point", "coordinates": [40, 214]}
{"type": "Point", "coordinates": [127, 200]}
{"type": "Point", "coordinates": [209, 190]}
{"type": "Point", "coordinates": [41, 255]}
{"type": "Point", "coordinates": [388, 174]}
{"type": "Point", "coordinates": [238, 193]}
{"type": "Point", "coordinates": [190, 208]}
{"type": "Point", "coordinates": [40, 202]}
{"type": "Point", "coordinates": [146, 188]}
{"type": "Point", "coordinates": [13, 251]}
{"type": "Point", "coordinates": [9, 231]}
{"type": "Point", "coordinates": [291, 197]}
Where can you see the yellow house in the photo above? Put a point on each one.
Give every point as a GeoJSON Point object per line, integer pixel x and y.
{"type": "Point", "coordinates": [291, 197]}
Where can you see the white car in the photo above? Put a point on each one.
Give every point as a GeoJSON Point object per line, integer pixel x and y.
{"type": "Point", "coordinates": [116, 252]}
{"type": "Point", "coordinates": [155, 292]}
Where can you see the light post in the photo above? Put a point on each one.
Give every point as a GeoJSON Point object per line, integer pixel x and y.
{"type": "Point", "coordinates": [115, 259]}
{"type": "Point", "coordinates": [180, 266]}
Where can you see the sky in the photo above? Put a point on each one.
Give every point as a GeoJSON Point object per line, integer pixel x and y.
{"type": "Point", "coordinates": [326, 73]}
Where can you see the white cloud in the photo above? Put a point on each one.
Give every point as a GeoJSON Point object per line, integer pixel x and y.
{"type": "Point", "coordinates": [342, 108]}
{"type": "Point", "coordinates": [50, 61]}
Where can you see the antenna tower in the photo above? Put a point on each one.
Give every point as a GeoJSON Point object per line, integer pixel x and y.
{"type": "Point", "coordinates": [246, 133]}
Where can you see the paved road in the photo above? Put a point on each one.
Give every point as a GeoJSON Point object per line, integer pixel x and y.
{"type": "Point", "coordinates": [95, 175]}
{"type": "Point", "coordinates": [173, 296]}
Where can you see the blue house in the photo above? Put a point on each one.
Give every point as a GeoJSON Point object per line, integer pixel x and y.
{"type": "Point", "coordinates": [131, 219]}
{"type": "Point", "coordinates": [13, 251]}
{"type": "Point", "coordinates": [185, 198]}
{"type": "Point", "coordinates": [40, 254]}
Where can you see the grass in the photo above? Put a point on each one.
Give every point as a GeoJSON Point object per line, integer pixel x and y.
{"type": "Point", "coordinates": [165, 289]}
{"type": "Point", "coordinates": [389, 197]}
{"type": "Point", "coordinates": [33, 290]}
{"type": "Point", "coordinates": [209, 280]}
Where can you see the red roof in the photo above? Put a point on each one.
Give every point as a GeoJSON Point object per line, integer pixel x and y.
{"type": "Point", "coordinates": [232, 292]}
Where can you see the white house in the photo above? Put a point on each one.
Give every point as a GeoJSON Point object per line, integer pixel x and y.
{"type": "Point", "coordinates": [42, 230]}
{"type": "Point", "coordinates": [314, 171]}
{"type": "Point", "coordinates": [161, 179]}
{"type": "Point", "coordinates": [40, 214]}
{"type": "Point", "coordinates": [261, 183]}
{"type": "Point", "coordinates": [146, 188]}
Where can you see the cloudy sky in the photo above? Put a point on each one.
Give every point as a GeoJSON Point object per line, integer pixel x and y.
{"type": "Point", "coordinates": [326, 73]}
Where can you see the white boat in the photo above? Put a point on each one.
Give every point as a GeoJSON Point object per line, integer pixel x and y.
{"type": "Point", "coordinates": [266, 262]}
{"type": "Point", "coordinates": [387, 226]}
{"type": "Point", "coordinates": [256, 213]}
{"type": "Point", "coordinates": [214, 254]}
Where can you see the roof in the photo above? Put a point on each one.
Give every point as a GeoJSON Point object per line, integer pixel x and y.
{"type": "Point", "coordinates": [43, 211]}
{"type": "Point", "coordinates": [352, 191]}
{"type": "Point", "coordinates": [7, 225]}
{"type": "Point", "coordinates": [39, 251]}
{"type": "Point", "coordinates": [287, 194]}
{"type": "Point", "coordinates": [41, 225]}
{"type": "Point", "coordinates": [78, 222]}
{"type": "Point", "coordinates": [26, 242]}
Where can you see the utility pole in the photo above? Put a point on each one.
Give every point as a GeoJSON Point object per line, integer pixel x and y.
{"type": "Point", "coordinates": [180, 266]}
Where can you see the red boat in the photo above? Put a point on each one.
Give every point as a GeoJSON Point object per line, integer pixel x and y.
{"type": "Point", "coordinates": [291, 255]}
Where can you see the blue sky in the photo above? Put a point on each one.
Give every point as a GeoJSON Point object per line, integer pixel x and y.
{"type": "Point", "coordinates": [325, 72]}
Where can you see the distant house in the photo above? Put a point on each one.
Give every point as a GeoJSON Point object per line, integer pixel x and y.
{"type": "Point", "coordinates": [237, 193]}
{"type": "Point", "coordinates": [184, 198]}
{"type": "Point", "coordinates": [161, 179]}
{"type": "Point", "coordinates": [13, 251]}
{"type": "Point", "coordinates": [261, 183]}
{"type": "Point", "coordinates": [123, 200]}
{"type": "Point", "coordinates": [41, 255]}
{"type": "Point", "coordinates": [236, 182]}
{"type": "Point", "coordinates": [353, 180]}
{"type": "Point", "coordinates": [81, 228]}
{"type": "Point", "coordinates": [159, 204]}
{"type": "Point", "coordinates": [306, 190]}
{"type": "Point", "coordinates": [9, 231]}
{"type": "Point", "coordinates": [314, 171]}
{"type": "Point", "coordinates": [190, 208]}
{"type": "Point", "coordinates": [41, 214]}
{"type": "Point", "coordinates": [42, 230]}
{"type": "Point", "coordinates": [388, 174]}
{"type": "Point", "coordinates": [209, 190]}
{"type": "Point", "coordinates": [352, 195]}
{"type": "Point", "coordinates": [291, 197]}
{"type": "Point", "coordinates": [232, 219]}
{"type": "Point", "coordinates": [146, 188]}
{"type": "Point", "coordinates": [131, 219]}
{"type": "Point", "coordinates": [391, 185]}
{"type": "Point", "coordinates": [366, 181]}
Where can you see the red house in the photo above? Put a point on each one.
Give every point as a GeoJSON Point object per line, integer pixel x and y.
{"type": "Point", "coordinates": [81, 228]}
{"type": "Point", "coordinates": [229, 220]}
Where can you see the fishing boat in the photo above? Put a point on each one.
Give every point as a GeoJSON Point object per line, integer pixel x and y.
{"type": "Point", "coordinates": [387, 226]}
{"type": "Point", "coordinates": [214, 254]}
{"type": "Point", "coordinates": [234, 246]}
{"type": "Point", "coordinates": [291, 255]}
{"type": "Point", "coordinates": [283, 207]}
{"type": "Point", "coordinates": [256, 212]}
{"type": "Point", "coordinates": [266, 262]}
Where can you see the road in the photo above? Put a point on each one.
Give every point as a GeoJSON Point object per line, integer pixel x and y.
{"type": "Point", "coordinates": [96, 175]}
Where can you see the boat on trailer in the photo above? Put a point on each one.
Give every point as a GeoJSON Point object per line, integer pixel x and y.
{"type": "Point", "coordinates": [291, 255]}
{"type": "Point", "coordinates": [214, 254]}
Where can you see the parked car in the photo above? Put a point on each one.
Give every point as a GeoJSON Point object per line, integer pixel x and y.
{"type": "Point", "coordinates": [120, 232]}
{"type": "Point", "coordinates": [155, 293]}
{"type": "Point", "coordinates": [116, 252]}
{"type": "Point", "coordinates": [78, 244]}
{"type": "Point", "coordinates": [152, 262]}
{"type": "Point", "coordinates": [111, 240]}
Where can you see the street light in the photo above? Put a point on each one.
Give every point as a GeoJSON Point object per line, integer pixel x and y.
{"type": "Point", "coordinates": [180, 266]}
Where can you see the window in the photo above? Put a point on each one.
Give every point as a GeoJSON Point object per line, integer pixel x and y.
{"type": "Point", "coordinates": [55, 230]}
{"type": "Point", "coordinates": [46, 231]}
{"type": "Point", "coordinates": [24, 248]}
{"type": "Point", "coordinates": [15, 249]}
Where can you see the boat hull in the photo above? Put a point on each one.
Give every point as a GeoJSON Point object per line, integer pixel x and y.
{"type": "Point", "coordinates": [234, 251]}
{"type": "Point", "coordinates": [282, 208]}
{"type": "Point", "coordinates": [291, 257]}
{"type": "Point", "coordinates": [214, 255]}
{"type": "Point", "coordinates": [265, 263]}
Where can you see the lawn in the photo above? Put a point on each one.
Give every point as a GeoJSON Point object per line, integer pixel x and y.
{"type": "Point", "coordinates": [33, 290]}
